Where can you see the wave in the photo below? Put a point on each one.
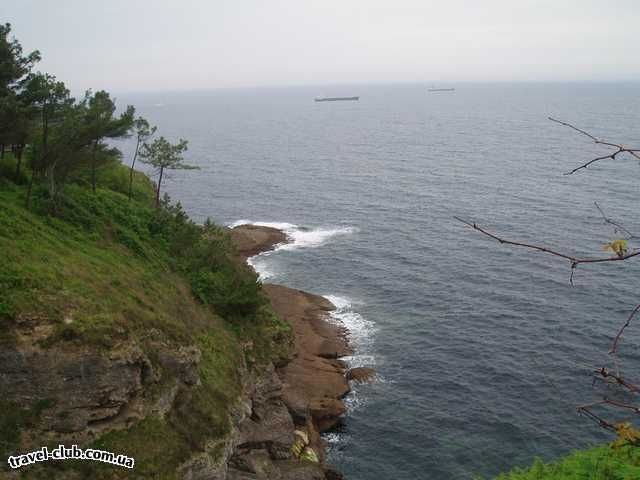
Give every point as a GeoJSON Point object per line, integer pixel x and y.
{"type": "Point", "coordinates": [360, 333]}
{"type": "Point", "coordinates": [299, 237]}
{"type": "Point", "coordinates": [261, 266]}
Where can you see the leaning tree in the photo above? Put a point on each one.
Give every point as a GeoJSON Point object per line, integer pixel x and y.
{"type": "Point", "coordinates": [163, 155]}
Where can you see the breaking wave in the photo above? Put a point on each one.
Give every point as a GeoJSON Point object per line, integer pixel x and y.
{"type": "Point", "coordinates": [299, 237]}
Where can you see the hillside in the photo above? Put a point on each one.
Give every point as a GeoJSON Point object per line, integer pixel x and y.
{"type": "Point", "coordinates": [125, 328]}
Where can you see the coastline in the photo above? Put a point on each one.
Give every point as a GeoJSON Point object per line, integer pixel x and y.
{"type": "Point", "coordinates": [315, 380]}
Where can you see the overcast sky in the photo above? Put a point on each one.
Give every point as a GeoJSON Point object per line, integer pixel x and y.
{"type": "Point", "coordinates": [136, 45]}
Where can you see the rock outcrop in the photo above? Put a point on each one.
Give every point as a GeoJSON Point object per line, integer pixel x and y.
{"type": "Point", "coordinates": [251, 240]}
{"type": "Point", "coordinates": [82, 392]}
{"type": "Point", "coordinates": [361, 374]}
{"type": "Point", "coordinates": [304, 395]}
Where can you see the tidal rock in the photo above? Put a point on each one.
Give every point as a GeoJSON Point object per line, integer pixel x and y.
{"type": "Point", "coordinates": [361, 374]}
{"type": "Point", "coordinates": [251, 240]}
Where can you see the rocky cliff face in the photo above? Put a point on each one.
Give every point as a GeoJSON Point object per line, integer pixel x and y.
{"type": "Point", "coordinates": [66, 392]}
{"type": "Point", "coordinates": [88, 393]}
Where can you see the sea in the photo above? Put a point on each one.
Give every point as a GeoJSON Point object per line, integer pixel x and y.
{"type": "Point", "coordinates": [482, 350]}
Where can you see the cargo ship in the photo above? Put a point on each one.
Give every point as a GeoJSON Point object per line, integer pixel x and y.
{"type": "Point", "coordinates": [433, 89]}
{"type": "Point", "coordinates": [336, 99]}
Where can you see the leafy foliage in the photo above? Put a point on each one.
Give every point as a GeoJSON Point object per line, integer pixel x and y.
{"type": "Point", "coordinates": [626, 435]}
{"type": "Point", "coordinates": [162, 155]}
{"type": "Point", "coordinates": [601, 463]}
{"type": "Point", "coordinates": [122, 270]}
{"type": "Point", "coordinates": [618, 246]}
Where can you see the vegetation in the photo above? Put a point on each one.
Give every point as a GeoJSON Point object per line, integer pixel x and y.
{"type": "Point", "coordinates": [162, 155]}
{"type": "Point", "coordinates": [90, 251]}
{"type": "Point", "coordinates": [601, 463]}
{"type": "Point", "coordinates": [618, 410]}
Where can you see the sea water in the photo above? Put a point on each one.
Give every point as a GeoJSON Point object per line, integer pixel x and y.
{"type": "Point", "coordinates": [482, 350]}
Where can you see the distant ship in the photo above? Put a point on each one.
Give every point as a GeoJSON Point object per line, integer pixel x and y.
{"type": "Point", "coordinates": [336, 99]}
{"type": "Point", "coordinates": [433, 89]}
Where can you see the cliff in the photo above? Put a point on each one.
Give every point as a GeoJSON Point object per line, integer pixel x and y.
{"type": "Point", "coordinates": [135, 331]}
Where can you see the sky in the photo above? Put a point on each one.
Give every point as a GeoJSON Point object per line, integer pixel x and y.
{"type": "Point", "coordinates": [156, 45]}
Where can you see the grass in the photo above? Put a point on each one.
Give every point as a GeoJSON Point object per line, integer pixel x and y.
{"type": "Point", "coordinates": [600, 463]}
{"type": "Point", "coordinates": [107, 270]}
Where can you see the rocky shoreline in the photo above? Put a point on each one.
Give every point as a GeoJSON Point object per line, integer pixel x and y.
{"type": "Point", "coordinates": [313, 383]}
{"type": "Point", "coordinates": [273, 424]}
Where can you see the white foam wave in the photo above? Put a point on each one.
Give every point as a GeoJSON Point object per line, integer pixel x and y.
{"type": "Point", "coordinates": [299, 237]}
{"type": "Point", "coordinates": [360, 334]}
{"type": "Point", "coordinates": [360, 331]}
{"type": "Point", "coordinates": [261, 267]}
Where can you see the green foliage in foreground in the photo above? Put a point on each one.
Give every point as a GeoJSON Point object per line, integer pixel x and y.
{"type": "Point", "coordinates": [106, 270]}
{"type": "Point", "coordinates": [601, 463]}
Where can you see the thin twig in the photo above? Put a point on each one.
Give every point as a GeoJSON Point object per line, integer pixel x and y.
{"type": "Point", "coordinates": [614, 345]}
{"type": "Point", "coordinates": [575, 261]}
{"type": "Point", "coordinates": [618, 380]}
{"type": "Point", "coordinates": [584, 409]}
{"type": "Point", "coordinates": [616, 226]}
{"type": "Point", "coordinates": [612, 156]}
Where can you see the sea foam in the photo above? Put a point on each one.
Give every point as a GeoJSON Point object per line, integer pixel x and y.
{"type": "Point", "coordinates": [299, 237]}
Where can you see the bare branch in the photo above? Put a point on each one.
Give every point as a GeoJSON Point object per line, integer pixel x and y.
{"type": "Point", "coordinates": [614, 345]}
{"type": "Point", "coordinates": [634, 408]}
{"type": "Point", "coordinates": [575, 261]}
{"type": "Point", "coordinates": [612, 156]}
{"type": "Point", "coordinates": [617, 379]}
{"type": "Point", "coordinates": [586, 410]}
{"type": "Point", "coordinates": [575, 128]}
{"type": "Point", "coordinates": [616, 226]}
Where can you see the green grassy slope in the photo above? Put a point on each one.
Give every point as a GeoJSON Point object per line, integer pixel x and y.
{"type": "Point", "coordinates": [105, 270]}
{"type": "Point", "coordinates": [601, 463]}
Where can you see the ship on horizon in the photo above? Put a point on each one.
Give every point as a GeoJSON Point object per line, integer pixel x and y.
{"type": "Point", "coordinates": [336, 99]}
{"type": "Point", "coordinates": [448, 89]}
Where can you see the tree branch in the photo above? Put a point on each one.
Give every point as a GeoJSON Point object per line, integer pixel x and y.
{"type": "Point", "coordinates": [575, 261]}
{"type": "Point", "coordinates": [618, 380]}
{"type": "Point", "coordinates": [612, 156]}
{"type": "Point", "coordinates": [616, 226]}
{"type": "Point", "coordinates": [586, 410]}
{"type": "Point", "coordinates": [614, 345]}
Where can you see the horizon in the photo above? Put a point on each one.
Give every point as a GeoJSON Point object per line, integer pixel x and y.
{"type": "Point", "coordinates": [426, 83]}
{"type": "Point", "coordinates": [129, 47]}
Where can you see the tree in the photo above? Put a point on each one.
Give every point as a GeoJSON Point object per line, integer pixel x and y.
{"type": "Point", "coordinates": [14, 69]}
{"type": "Point", "coordinates": [629, 400]}
{"type": "Point", "coordinates": [101, 124]}
{"type": "Point", "coordinates": [14, 66]}
{"type": "Point", "coordinates": [50, 100]}
{"type": "Point", "coordinates": [162, 155]}
{"type": "Point", "coordinates": [143, 132]}
{"type": "Point", "coordinates": [21, 130]}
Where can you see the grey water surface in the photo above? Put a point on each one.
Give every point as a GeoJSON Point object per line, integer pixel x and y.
{"type": "Point", "coordinates": [483, 351]}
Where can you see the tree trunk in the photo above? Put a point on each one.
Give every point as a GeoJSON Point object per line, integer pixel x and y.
{"type": "Point", "coordinates": [2, 151]}
{"type": "Point", "coordinates": [51, 178]}
{"type": "Point", "coordinates": [93, 166]}
{"type": "Point", "coordinates": [30, 188]}
{"type": "Point", "coordinates": [133, 164]}
{"type": "Point", "coordinates": [18, 154]}
{"type": "Point", "coordinates": [158, 189]}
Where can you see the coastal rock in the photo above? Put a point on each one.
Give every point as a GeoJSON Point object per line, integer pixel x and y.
{"type": "Point", "coordinates": [182, 363]}
{"type": "Point", "coordinates": [83, 389]}
{"type": "Point", "coordinates": [251, 240]}
{"type": "Point", "coordinates": [361, 374]}
{"type": "Point", "coordinates": [302, 471]}
{"type": "Point", "coordinates": [291, 405]}
{"type": "Point", "coordinates": [314, 381]}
